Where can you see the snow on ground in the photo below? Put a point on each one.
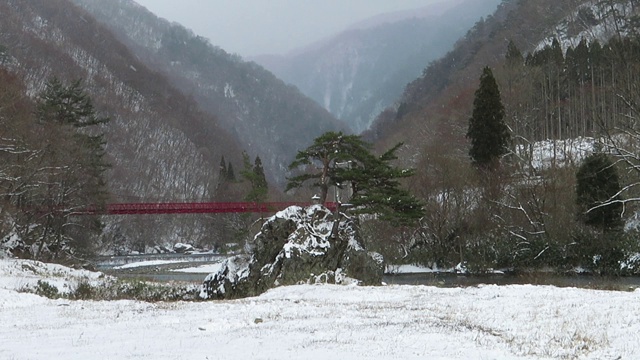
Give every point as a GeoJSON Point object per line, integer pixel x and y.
{"type": "Point", "coordinates": [18, 274]}
{"type": "Point", "coordinates": [544, 154]}
{"type": "Point", "coordinates": [149, 263]}
{"type": "Point", "coordinates": [326, 322]}
{"type": "Point", "coordinates": [604, 29]}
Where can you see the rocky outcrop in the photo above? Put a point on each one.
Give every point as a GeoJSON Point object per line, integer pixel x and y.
{"type": "Point", "coordinates": [296, 246]}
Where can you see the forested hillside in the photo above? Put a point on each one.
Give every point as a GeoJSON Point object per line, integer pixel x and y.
{"type": "Point", "coordinates": [159, 145]}
{"type": "Point", "coordinates": [445, 80]}
{"type": "Point", "coordinates": [272, 120]}
{"type": "Point", "coordinates": [562, 193]}
{"type": "Point", "coordinates": [449, 82]}
{"type": "Point", "coordinates": [358, 73]}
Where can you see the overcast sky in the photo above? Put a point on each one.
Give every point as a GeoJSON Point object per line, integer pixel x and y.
{"type": "Point", "coordinates": [254, 27]}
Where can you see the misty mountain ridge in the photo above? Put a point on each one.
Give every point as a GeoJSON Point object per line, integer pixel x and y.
{"type": "Point", "coordinates": [269, 118]}
{"type": "Point", "coordinates": [430, 11]}
{"type": "Point", "coordinates": [359, 72]}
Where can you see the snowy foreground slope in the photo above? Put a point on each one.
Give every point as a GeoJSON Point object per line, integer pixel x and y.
{"type": "Point", "coordinates": [324, 322]}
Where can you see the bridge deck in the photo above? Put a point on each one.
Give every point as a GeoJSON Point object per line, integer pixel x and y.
{"type": "Point", "coordinates": [194, 208]}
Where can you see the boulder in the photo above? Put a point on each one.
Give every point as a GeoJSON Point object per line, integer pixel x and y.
{"type": "Point", "coordinates": [181, 248]}
{"type": "Point", "coordinates": [296, 246]}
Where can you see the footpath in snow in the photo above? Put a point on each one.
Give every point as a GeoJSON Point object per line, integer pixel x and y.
{"type": "Point", "coordinates": [319, 322]}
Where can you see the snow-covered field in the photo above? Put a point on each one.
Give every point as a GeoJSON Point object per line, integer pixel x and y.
{"type": "Point", "coordinates": [320, 322]}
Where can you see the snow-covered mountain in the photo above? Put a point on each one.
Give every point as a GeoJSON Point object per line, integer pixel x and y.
{"type": "Point", "coordinates": [358, 73]}
{"type": "Point", "coordinates": [270, 119]}
{"type": "Point", "coordinates": [160, 145]}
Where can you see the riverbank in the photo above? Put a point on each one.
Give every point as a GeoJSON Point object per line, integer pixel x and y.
{"type": "Point", "coordinates": [188, 270]}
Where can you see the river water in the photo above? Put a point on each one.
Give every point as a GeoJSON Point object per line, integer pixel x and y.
{"type": "Point", "coordinates": [167, 273]}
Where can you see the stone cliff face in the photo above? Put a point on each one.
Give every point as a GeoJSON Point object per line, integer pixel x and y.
{"type": "Point", "coordinates": [296, 246]}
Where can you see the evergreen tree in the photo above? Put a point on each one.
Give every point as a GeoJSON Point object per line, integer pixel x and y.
{"type": "Point", "coordinates": [550, 55]}
{"type": "Point", "coordinates": [327, 152]}
{"type": "Point", "coordinates": [231, 175]}
{"type": "Point", "coordinates": [346, 162]}
{"type": "Point", "coordinates": [376, 188]}
{"type": "Point", "coordinates": [603, 246]}
{"type": "Point", "coordinates": [67, 105]}
{"type": "Point", "coordinates": [70, 110]}
{"type": "Point", "coordinates": [73, 167]}
{"type": "Point", "coordinates": [582, 62]}
{"type": "Point", "coordinates": [258, 173]}
{"type": "Point", "coordinates": [557, 56]}
{"type": "Point", "coordinates": [223, 177]}
{"type": "Point", "coordinates": [488, 132]}
{"type": "Point", "coordinates": [222, 172]}
{"type": "Point", "coordinates": [255, 175]}
{"type": "Point", "coordinates": [596, 193]}
{"type": "Point", "coordinates": [513, 55]}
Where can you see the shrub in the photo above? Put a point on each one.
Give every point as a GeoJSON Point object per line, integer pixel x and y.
{"type": "Point", "coordinates": [84, 291]}
{"type": "Point", "coordinates": [606, 253]}
{"type": "Point", "coordinates": [597, 185]}
{"type": "Point", "coordinates": [119, 290]}
{"type": "Point", "coordinates": [45, 289]}
{"type": "Point", "coordinates": [152, 292]}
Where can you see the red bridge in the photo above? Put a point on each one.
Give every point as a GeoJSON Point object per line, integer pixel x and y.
{"type": "Point", "coordinates": [194, 208]}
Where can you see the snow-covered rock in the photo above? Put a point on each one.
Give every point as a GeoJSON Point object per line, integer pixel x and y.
{"type": "Point", "coordinates": [296, 246]}
{"type": "Point", "coordinates": [182, 248]}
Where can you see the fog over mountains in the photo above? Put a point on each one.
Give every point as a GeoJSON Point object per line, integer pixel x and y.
{"type": "Point", "coordinates": [361, 71]}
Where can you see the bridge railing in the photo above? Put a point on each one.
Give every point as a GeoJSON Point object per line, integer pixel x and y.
{"type": "Point", "coordinates": [192, 208]}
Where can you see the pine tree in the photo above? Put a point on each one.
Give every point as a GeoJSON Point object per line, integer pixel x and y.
{"type": "Point", "coordinates": [258, 172]}
{"type": "Point", "coordinates": [255, 175]}
{"type": "Point", "coordinates": [488, 132]}
{"type": "Point", "coordinates": [231, 175]}
{"type": "Point", "coordinates": [513, 55]}
{"type": "Point", "coordinates": [222, 172]}
{"type": "Point", "coordinates": [327, 152]}
{"type": "Point", "coordinates": [67, 105]}
{"type": "Point", "coordinates": [69, 110]}
{"type": "Point", "coordinates": [557, 56]}
{"type": "Point", "coordinates": [600, 207]}
{"type": "Point", "coordinates": [223, 177]}
{"type": "Point", "coordinates": [73, 166]}
{"type": "Point", "coordinates": [596, 193]}
{"type": "Point", "coordinates": [346, 162]}
{"type": "Point", "coordinates": [376, 188]}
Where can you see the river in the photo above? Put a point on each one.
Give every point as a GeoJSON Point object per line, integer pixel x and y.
{"type": "Point", "coordinates": [154, 268]}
